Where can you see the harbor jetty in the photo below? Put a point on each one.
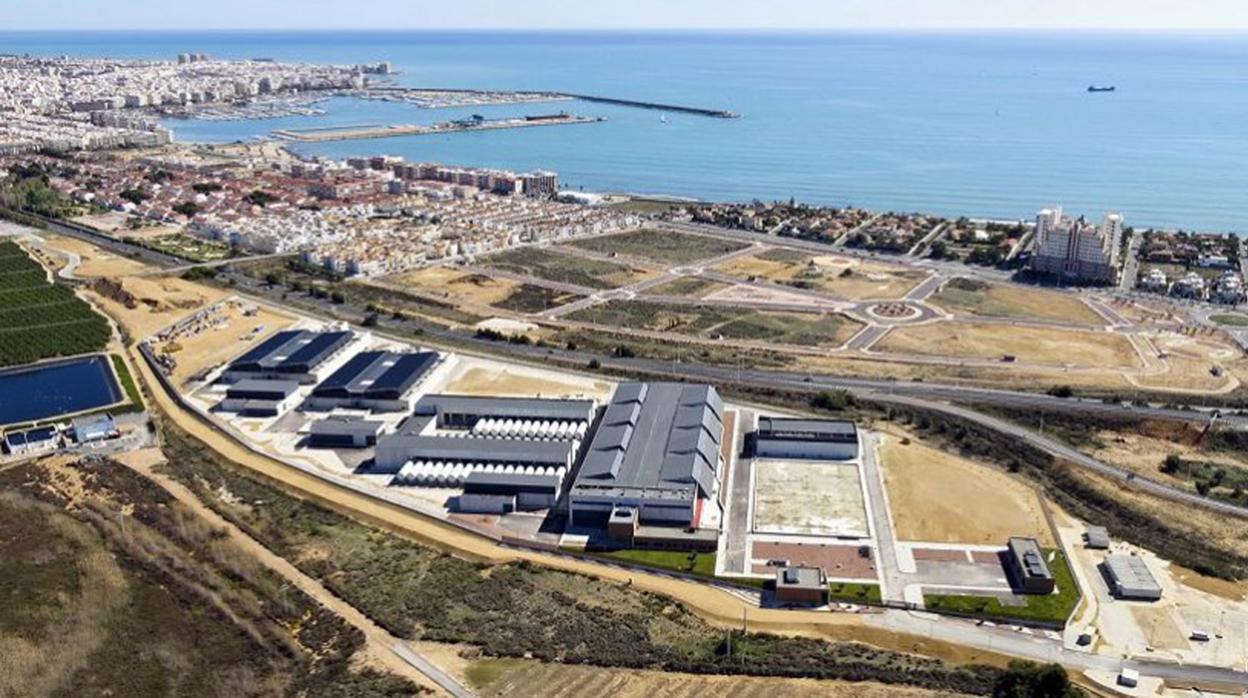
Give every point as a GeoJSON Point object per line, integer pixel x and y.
{"type": "Point", "coordinates": [473, 123]}
{"type": "Point", "coordinates": [433, 97]}
{"type": "Point", "coordinates": [698, 111]}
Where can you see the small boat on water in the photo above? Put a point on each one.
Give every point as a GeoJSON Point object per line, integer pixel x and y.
{"type": "Point", "coordinates": [1102, 88]}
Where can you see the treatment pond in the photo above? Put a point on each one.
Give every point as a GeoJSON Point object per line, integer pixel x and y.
{"type": "Point", "coordinates": [56, 388]}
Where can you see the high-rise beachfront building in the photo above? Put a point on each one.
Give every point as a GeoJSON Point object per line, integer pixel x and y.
{"type": "Point", "coordinates": [1076, 249]}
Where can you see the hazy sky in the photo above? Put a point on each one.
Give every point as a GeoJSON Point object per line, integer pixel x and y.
{"type": "Point", "coordinates": [622, 14]}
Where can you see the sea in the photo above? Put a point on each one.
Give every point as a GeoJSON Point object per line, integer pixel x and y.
{"type": "Point", "coordinates": [996, 124]}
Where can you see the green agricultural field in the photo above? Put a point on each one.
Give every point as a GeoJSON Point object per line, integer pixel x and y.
{"type": "Point", "coordinates": [39, 319]}
{"type": "Point", "coordinates": [1230, 319]}
{"type": "Point", "coordinates": [660, 246]}
{"type": "Point", "coordinates": [563, 268]}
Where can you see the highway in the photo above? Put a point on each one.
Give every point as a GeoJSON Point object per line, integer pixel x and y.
{"type": "Point", "coordinates": [924, 395]}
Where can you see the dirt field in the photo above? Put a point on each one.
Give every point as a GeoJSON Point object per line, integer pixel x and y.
{"type": "Point", "coordinates": [929, 491]}
{"type": "Point", "coordinates": [95, 262]}
{"type": "Point", "coordinates": [497, 379]}
{"type": "Point", "coordinates": [809, 498]}
{"type": "Point", "coordinates": [846, 277]}
{"type": "Point", "coordinates": [1012, 301]}
{"type": "Point", "coordinates": [521, 678]}
{"type": "Point", "coordinates": [1159, 628]}
{"type": "Point", "coordinates": [1035, 345]}
{"type": "Point", "coordinates": [215, 346]}
{"type": "Point", "coordinates": [455, 285]}
{"type": "Point", "coordinates": [162, 301]}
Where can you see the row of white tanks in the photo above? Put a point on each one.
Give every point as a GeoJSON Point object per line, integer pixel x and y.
{"type": "Point", "coordinates": [440, 474]}
{"type": "Point", "coordinates": [530, 428]}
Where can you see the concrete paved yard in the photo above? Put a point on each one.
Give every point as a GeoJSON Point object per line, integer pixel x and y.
{"type": "Point", "coordinates": [809, 498]}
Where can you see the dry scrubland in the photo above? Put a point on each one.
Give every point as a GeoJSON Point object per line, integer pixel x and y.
{"type": "Point", "coordinates": [1037, 345]}
{"type": "Point", "coordinates": [929, 490]}
{"type": "Point", "coordinates": [660, 246]}
{"type": "Point", "coordinates": [501, 678]}
{"type": "Point", "coordinates": [965, 296]}
{"type": "Point", "coordinates": [846, 277]}
{"type": "Point", "coordinates": [562, 267]}
{"type": "Point", "coordinates": [129, 594]}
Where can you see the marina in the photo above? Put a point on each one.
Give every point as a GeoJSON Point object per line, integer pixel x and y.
{"type": "Point", "coordinates": [473, 123]}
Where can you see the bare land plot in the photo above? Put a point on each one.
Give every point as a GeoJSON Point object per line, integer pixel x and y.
{"type": "Point", "coordinates": [1193, 362]}
{"type": "Point", "coordinates": [496, 678]}
{"type": "Point", "coordinates": [560, 267]}
{"type": "Point", "coordinates": [1037, 345]}
{"type": "Point", "coordinates": [809, 498]}
{"type": "Point", "coordinates": [95, 261]}
{"type": "Point", "coordinates": [498, 379]}
{"type": "Point", "coordinates": [455, 285]}
{"type": "Point", "coordinates": [845, 277]}
{"type": "Point", "coordinates": [215, 345]}
{"type": "Point", "coordinates": [712, 322]}
{"type": "Point", "coordinates": [971, 297]}
{"type": "Point", "coordinates": [675, 249]}
{"type": "Point", "coordinates": [939, 497]}
{"type": "Point", "coordinates": [528, 298]}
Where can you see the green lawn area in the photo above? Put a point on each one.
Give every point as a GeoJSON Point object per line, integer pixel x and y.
{"type": "Point", "coordinates": [855, 592]}
{"type": "Point", "coordinates": [702, 564]}
{"type": "Point", "coordinates": [1054, 608]}
{"type": "Point", "coordinates": [127, 381]}
{"type": "Point", "coordinates": [1230, 319]}
{"type": "Point", "coordinates": [660, 246]}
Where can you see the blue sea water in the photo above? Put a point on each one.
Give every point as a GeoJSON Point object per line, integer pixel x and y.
{"type": "Point", "coordinates": [989, 124]}
{"type": "Point", "coordinates": [32, 393]}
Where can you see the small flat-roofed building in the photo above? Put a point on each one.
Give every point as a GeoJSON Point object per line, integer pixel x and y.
{"type": "Point", "coordinates": [94, 428]}
{"type": "Point", "coordinates": [31, 441]}
{"type": "Point", "coordinates": [1130, 578]}
{"type": "Point", "coordinates": [291, 355]}
{"type": "Point", "coordinates": [1028, 571]}
{"type": "Point", "coordinates": [807, 585]}
{"type": "Point", "coordinates": [343, 433]}
{"type": "Point", "coordinates": [657, 451]}
{"type": "Point", "coordinates": [1096, 538]}
{"type": "Point", "coordinates": [825, 439]}
{"type": "Point", "coordinates": [259, 397]}
{"type": "Point", "coordinates": [519, 491]}
{"type": "Point", "coordinates": [374, 380]}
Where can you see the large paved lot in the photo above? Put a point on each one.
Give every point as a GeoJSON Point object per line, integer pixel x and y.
{"type": "Point", "coordinates": [809, 498]}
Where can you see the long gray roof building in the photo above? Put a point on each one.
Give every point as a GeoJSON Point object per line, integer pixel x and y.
{"type": "Point", "coordinates": [657, 447]}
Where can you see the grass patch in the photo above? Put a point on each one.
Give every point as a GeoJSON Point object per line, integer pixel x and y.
{"type": "Point", "coordinates": [485, 672]}
{"type": "Point", "coordinates": [187, 247]}
{"type": "Point", "coordinates": [701, 564]}
{"type": "Point", "coordinates": [1048, 608]}
{"type": "Point", "coordinates": [127, 381]}
{"type": "Point", "coordinates": [660, 246]}
{"type": "Point", "coordinates": [687, 286]}
{"type": "Point", "coordinates": [855, 592]}
{"type": "Point", "coordinates": [1230, 319]}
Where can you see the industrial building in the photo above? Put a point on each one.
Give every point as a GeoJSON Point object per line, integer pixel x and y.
{"type": "Point", "coordinates": [806, 585]}
{"type": "Point", "coordinates": [292, 355]}
{"type": "Point", "coordinates": [449, 438]}
{"type": "Point", "coordinates": [343, 433]}
{"type": "Point", "coordinates": [1025, 565]}
{"type": "Point", "coordinates": [502, 493]}
{"type": "Point", "coordinates": [1096, 538]}
{"type": "Point", "coordinates": [1130, 578]}
{"type": "Point", "coordinates": [652, 462]}
{"type": "Point", "coordinates": [94, 428]}
{"type": "Point", "coordinates": [258, 397]}
{"type": "Point", "coordinates": [819, 439]}
{"type": "Point", "coordinates": [373, 380]}
{"type": "Point", "coordinates": [31, 441]}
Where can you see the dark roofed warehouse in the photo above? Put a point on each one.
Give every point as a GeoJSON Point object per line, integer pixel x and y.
{"type": "Point", "coordinates": [828, 439]}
